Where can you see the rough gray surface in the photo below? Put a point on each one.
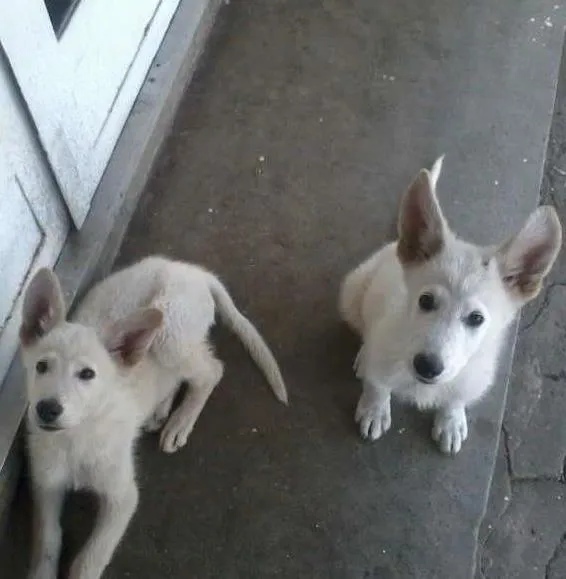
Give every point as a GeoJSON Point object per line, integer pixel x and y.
{"type": "Point", "coordinates": [284, 169]}
{"type": "Point", "coordinates": [528, 532]}
{"type": "Point", "coordinates": [537, 399]}
{"type": "Point", "coordinates": [524, 532]}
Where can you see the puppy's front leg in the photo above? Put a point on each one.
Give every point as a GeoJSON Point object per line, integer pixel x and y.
{"type": "Point", "coordinates": [204, 372]}
{"type": "Point", "coordinates": [48, 503]}
{"type": "Point", "coordinates": [116, 510]}
{"type": "Point", "coordinates": [373, 412]}
{"type": "Point", "coordinates": [160, 414]}
{"type": "Point", "coordinates": [450, 428]}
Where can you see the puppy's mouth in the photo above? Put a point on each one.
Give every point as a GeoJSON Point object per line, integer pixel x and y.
{"type": "Point", "coordinates": [50, 427]}
{"type": "Point", "coordinates": [427, 381]}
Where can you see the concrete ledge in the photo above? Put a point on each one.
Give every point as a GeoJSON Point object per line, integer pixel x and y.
{"type": "Point", "coordinates": [89, 253]}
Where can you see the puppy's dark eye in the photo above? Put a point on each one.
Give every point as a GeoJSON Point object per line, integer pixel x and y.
{"type": "Point", "coordinates": [41, 367]}
{"type": "Point", "coordinates": [475, 319]}
{"type": "Point", "coordinates": [427, 303]}
{"type": "Point", "coordinates": [86, 374]}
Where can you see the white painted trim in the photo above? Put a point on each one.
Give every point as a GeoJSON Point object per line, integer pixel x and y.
{"type": "Point", "coordinates": [27, 184]}
{"type": "Point", "coordinates": [79, 89]}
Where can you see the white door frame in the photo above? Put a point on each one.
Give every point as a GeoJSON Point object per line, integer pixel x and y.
{"type": "Point", "coordinates": [79, 88]}
{"type": "Point", "coordinates": [33, 220]}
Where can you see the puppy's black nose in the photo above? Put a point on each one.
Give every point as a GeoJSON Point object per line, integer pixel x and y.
{"type": "Point", "coordinates": [48, 410]}
{"type": "Point", "coordinates": [428, 366]}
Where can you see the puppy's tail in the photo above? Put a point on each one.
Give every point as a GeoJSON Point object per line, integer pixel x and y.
{"type": "Point", "coordinates": [435, 170]}
{"type": "Point", "coordinates": [250, 337]}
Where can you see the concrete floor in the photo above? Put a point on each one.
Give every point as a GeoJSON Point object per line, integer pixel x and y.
{"type": "Point", "coordinates": [523, 535]}
{"type": "Point", "coordinates": [283, 169]}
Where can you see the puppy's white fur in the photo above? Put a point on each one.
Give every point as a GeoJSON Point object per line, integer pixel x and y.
{"type": "Point", "coordinates": [117, 366]}
{"type": "Point", "coordinates": [380, 300]}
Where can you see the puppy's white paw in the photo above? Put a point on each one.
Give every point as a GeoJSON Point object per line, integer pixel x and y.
{"type": "Point", "coordinates": [154, 423]}
{"type": "Point", "coordinates": [159, 417]}
{"type": "Point", "coordinates": [374, 420]}
{"type": "Point", "coordinates": [450, 430]}
{"type": "Point", "coordinates": [175, 434]}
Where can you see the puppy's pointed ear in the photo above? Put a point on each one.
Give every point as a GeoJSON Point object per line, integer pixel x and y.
{"type": "Point", "coordinates": [526, 258]}
{"type": "Point", "coordinates": [43, 308]}
{"type": "Point", "coordinates": [421, 225]}
{"type": "Point", "coordinates": [129, 339]}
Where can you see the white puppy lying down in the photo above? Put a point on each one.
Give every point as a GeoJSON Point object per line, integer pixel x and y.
{"type": "Point", "coordinates": [432, 310]}
{"type": "Point", "coordinates": [93, 382]}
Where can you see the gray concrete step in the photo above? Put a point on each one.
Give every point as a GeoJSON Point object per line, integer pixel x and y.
{"type": "Point", "coordinates": [284, 169]}
{"type": "Point", "coordinates": [523, 535]}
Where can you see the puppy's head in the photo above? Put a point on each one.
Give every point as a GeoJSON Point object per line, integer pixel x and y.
{"type": "Point", "coordinates": [460, 293]}
{"type": "Point", "coordinates": [71, 369]}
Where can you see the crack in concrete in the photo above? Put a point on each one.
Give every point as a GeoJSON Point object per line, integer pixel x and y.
{"type": "Point", "coordinates": [555, 377]}
{"type": "Point", "coordinates": [544, 304]}
{"type": "Point", "coordinates": [484, 560]}
{"type": "Point", "coordinates": [514, 478]}
{"type": "Point", "coordinates": [506, 450]}
{"type": "Point", "coordinates": [541, 478]}
{"type": "Point", "coordinates": [483, 565]}
{"type": "Point", "coordinates": [553, 177]}
{"type": "Point", "coordinates": [552, 195]}
{"type": "Point", "coordinates": [554, 557]}
{"type": "Point", "coordinates": [548, 192]}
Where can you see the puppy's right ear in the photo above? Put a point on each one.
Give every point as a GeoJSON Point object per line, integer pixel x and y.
{"type": "Point", "coordinates": [525, 259]}
{"type": "Point", "coordinates": [421, 225]}
{"type": "Point", "coordinates": [44, 307]}
{"type": "Point", "coordinates": [128, 340]}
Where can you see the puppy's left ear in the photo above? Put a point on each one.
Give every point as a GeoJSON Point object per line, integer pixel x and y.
{"type": "Point", "coordinates": [525, 259]}
{"type": "Point", "coordinates": [421, 226]}
{"type": "Point", "coordinates": [129, 339]}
